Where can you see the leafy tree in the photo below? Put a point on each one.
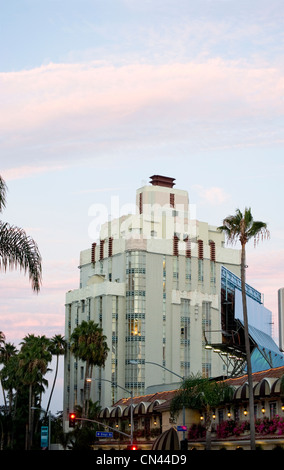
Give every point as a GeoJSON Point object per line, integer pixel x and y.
{"type": "Point", "coordinates": [201, 393]}
{"type": "Point", "coordinates": [88, 343]}
{"type": "Point", "coordinates": [17, 249]}
{"type": "Point", "coordinates": [242, 227]}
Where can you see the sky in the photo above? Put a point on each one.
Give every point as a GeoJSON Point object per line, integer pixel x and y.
{"type": "Point", "coordinates": [98, 95]}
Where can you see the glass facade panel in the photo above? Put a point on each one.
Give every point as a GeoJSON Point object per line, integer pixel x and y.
{"type": "Point", "coordinates": [135, 321]}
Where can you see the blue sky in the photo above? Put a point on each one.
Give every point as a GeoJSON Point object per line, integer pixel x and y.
{"type": "Point", "coordinates": [98, 95]}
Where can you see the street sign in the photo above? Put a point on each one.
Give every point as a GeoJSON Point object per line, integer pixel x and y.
{"type": "Point", "coordinates": [181, 428]}
{"type": "Point", "coordinates": [104, 434]}
{"type": "Point", "coordinates": [44, 436]}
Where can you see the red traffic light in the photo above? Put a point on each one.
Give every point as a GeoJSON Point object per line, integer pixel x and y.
{"type": "Point", "coordinates": [72, 419]}
{"type": "Point", "coordinates": [132, 447]}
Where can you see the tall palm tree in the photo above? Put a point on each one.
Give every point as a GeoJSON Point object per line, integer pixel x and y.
{"type": "Point", "coordinates": [201, 393]}
{"type": "Point", "coordinates": [17, 249]}
{"type": "Point", "coordinates": [33, 361]}
{"type": "Point", "coordinates": [242, 227]}
{"type": "Point", "coordinates": [88, 343]}
{"type": "Point", "coordinates": [7, 352]}
{"type": "Point", "coordinates": [57, 348]}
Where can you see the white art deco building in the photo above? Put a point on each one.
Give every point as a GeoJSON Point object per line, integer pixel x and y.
{"type": "Point", "coordinates": [152, 281]}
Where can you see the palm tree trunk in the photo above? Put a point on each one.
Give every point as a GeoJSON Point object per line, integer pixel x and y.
{"type": "Point", "coordinates": [86, 389]}
{"type": "Point", "coordinates": [4, 396]}
{"type": "Point", "coordinates": [53, 385]}
{"type": "Point", "coordinates": [247, 346]}
{"type": "Point", "coordinates": [29, 437]}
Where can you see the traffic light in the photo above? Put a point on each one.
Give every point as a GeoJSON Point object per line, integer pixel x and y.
{"type": "Point", "coordinates": [72, 420]}
{"type": "Point", "coordinates": [132, 447]}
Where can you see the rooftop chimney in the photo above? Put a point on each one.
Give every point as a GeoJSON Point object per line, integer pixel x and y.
{"type": "Point", "coordinates": [158, 180]}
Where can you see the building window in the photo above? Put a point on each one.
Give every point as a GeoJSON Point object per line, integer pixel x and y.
{"type": "Point", "coordinates": [273, 409]}
{"type": "Point", "coordinates": [200, 261]}
{"type": "Point", "coordinates": [185, 337]}
{"type": "Point", "coordinates": [200, 271]}
{"type": "Point", "coordinates": [175, 272]}
{"type": "Point", "coordinates": [187, 272]}
{"type": "Point", "coordinates": [135, 320]}
{"type": "Point", "coordinates": [114, 346]}
{"type": "Point", "coordinates": [206, 327]}
{"type": "Point", "coordinates": [172, 200]}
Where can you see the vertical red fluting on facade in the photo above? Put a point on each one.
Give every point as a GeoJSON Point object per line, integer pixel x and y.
{"type": "Point", "coordinates": [93, 256]}
{"type": "Point", "coordinates": [102, 242]}
{"type": "Point", "coordinates": [110, 240]}
{"type": "Point", "coordinates": [200, 249]}
{"type": "Point", "coordinates": [212, 251]}
{"type": "Point", "coordinates": [187, 248]}
{"type": "Point", "coordinates": [175, 245]}
{"type": "Point", "coordinates": [140, 203]}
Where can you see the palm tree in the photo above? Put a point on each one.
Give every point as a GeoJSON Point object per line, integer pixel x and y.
{"type": "Point", "coordinates": [88, 343]}
{"type": "Point", "coordinates": [7, 352]}
{"type": "Point", "coordinates": [201, 393]}
{"type": "Point", "coordinates": [57, 347]}
{"type": "Point", "coordinates": [33, 361]}
{"type": "Point", "coordinates": [241, 227]}
{"type": "Point", "coordinates": [17, 249]}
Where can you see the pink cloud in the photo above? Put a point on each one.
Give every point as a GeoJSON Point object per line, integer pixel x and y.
{"type": "Point", "coordinates": [86, 97]}
{"type": "Point", "coordinates": [24, 171]}
{"type": "Point", "coordinates": [24, 312]}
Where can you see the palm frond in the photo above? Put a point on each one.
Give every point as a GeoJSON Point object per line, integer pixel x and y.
{"type": "Point", "coordinates": [17, 249]}
{"type": "Point", "coordinates": [3, 191]}
{"type": "Point", "coordinates": [241, 226]}
{"type": "Point", "coordinates": [258, 231]}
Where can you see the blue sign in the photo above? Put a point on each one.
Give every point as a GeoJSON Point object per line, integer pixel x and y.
{"type": "Point", "coordinates": [104, 434]}
{"type": "Point", "coordinates": [44, 436]}
{"type": "Point", "coordinates": [182, 428]}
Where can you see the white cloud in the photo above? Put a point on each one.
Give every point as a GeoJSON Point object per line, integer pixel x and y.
{"type": "Point", "coordinates": [213, 196]}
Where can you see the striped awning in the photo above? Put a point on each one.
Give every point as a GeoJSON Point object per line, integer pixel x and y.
{"type": "Point", "coordinates": [168, 440]}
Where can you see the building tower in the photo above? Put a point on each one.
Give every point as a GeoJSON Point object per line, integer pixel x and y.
{"type": "Point", "coordinates": [152, 281]}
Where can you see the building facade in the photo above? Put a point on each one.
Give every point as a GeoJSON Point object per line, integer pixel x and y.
{"type": "Point", "coordinates": [230, 420]}
{"type": "Point", "coordinates": [152, 281]}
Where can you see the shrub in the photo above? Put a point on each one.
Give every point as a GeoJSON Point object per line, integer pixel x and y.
{"type": "Point", "coordinates": [196, 431]}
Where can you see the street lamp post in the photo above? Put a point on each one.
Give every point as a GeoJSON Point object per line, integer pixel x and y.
{"type": "Point", "coordinates": [131, 402]}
